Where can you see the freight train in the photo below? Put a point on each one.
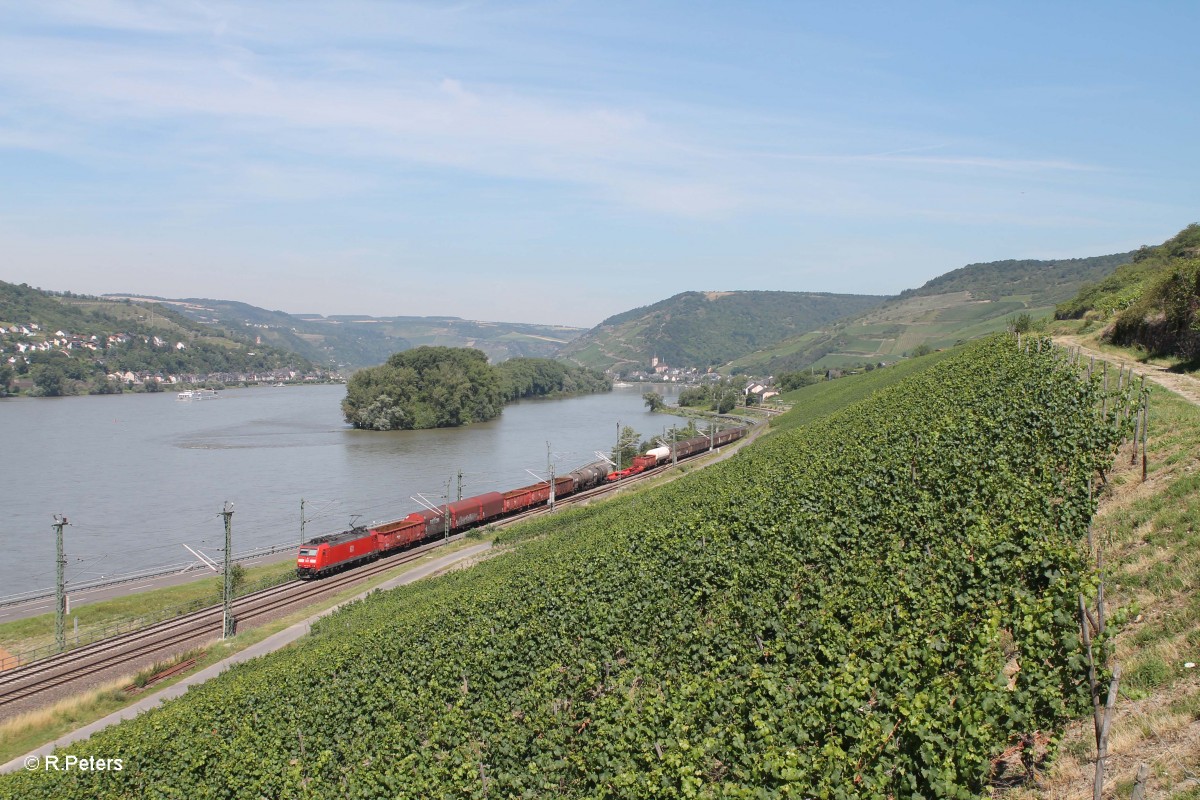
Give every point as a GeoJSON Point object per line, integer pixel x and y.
{"type": "Point", "coordinates": [334, 552]}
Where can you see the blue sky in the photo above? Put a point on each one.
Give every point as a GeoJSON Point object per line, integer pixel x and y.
{"type": "Point", "coordinates": [559, 162]}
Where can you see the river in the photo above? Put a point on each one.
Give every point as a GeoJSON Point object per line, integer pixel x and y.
{"type": "Point", "coordinates": [140, 475]}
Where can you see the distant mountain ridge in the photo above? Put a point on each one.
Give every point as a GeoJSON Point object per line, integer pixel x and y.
{"type": "Point", "coordinates": [707, 329]}
{"type": "Point", "coordinates": [349, 341]}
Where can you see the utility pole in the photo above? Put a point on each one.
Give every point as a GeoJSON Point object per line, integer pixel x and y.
{"type": "Point", "coordinates": [550, 469]}
{"type": "Point", "coordinates": [674, 447]}
{"type": "Point", "coordinates": [60, 593]}
{"type": "Point", "coordinates": [446, 520]}
{"type": "Point", "coordinates": [460, 484]}
{"type": "Point", "coordinates": [618, 445]}
{"type": "Point", "coordinates": [228, 623]}
{"type": "Point", "coordinates": [302, 520]}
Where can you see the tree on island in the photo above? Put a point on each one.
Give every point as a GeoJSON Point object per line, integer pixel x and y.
{"type": "Point", "coordinates": [427, 387]}
{"type": "Point", "coordinates": [444, 387]}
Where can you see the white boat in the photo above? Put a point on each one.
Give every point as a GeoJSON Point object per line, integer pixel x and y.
{"type": "Point", "coordinates": [196, 394]}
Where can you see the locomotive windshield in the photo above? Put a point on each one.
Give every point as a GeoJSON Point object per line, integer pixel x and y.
{"type": "Point", "coordinates": [308, 551]}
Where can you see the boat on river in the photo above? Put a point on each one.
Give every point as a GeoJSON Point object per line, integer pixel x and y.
{"type": "Point", "coordinates": [196, 394]}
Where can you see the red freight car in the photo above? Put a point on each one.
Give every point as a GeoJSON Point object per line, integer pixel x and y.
{"type": "Point", "coordinates": [526, 497]}
{"type": "Point", "coordinates": [476, 510]}
{"type": "Point", "coordinates": [326, 554]}
{"type": "Point", "coordinates": [394, 535]}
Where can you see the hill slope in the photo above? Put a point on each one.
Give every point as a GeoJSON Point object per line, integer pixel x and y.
{"type": "Point", "coordinates": [962, 304]}
{"type": "Point", "coordinates": [1152, 301]}
{"type": "Point", "coordinates": [704, 329]}
{"type": "Point", "coordinates": [82, 339]}
{"type": "Point", "coordinates": [362, 341]}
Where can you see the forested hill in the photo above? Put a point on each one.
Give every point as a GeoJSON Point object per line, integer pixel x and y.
{"type": "Point", "coordinates": [961, 304]}
{"type": "Point", "coordinates": [704, 329]}
{"type": "Point", "coordinates": [351, 341]}
{"type": "Point", "coordinates": [1050, 281]}
{"type": "Point", "coordinates": [66, 343]}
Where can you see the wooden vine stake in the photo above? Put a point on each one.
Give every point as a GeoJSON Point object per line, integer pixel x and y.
{"type": "Point", "coordinates": [1145, 424]}
{"type": "Point", "coordinates": [1139, 783]}
{"type": "Point", "coordinates": [1093, 624]}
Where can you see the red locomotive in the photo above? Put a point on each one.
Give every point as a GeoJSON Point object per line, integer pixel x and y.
{"type": "Point", "coordinates": [326, 554]}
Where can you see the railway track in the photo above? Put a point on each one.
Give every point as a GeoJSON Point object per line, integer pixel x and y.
{"type": "Point", "coordinates": [170, 637]}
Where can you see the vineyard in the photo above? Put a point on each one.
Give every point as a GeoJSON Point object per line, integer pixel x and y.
{"type": "Point", "coordinates": [873, 605]}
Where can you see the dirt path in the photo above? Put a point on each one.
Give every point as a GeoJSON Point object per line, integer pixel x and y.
{"type": "Point", "coordinates": [1185, 386]}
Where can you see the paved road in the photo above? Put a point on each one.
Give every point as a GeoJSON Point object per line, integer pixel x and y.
{"type": "Point", "coordinates": [271, 643]}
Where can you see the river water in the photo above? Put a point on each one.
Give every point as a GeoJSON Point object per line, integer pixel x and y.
{"type": "Point", "coordinates": [140, 475]}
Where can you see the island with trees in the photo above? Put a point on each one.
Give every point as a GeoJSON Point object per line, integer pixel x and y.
{"type": "Point", "coordinates": [444, 387]}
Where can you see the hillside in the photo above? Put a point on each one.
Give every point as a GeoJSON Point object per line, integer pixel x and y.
{"type": "Point", "coordinates": [350, 342]}
{"type": "Point", "coordinates": [1151, 302]}
{"type": "Point", "coordinates": [867, 612]}
{"type": "Point", "coordinates": [706, 329]}
{"type": "Point", "coordinates": [66, 343]}
{"type": "Point", "coordinates": [962, 304]}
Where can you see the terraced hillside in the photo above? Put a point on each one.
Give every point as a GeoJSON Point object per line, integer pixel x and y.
{"type": "Point", "coordinates": [968, 302]}
{"type": "Point", "coordinates": [706, 329]}
{"type": "Point", "coordinates": [875, 607]}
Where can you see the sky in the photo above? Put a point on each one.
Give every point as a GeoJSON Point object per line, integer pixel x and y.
{"type": "Point", "coordinates": [559, 162]}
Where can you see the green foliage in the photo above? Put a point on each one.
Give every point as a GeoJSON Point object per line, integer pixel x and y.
{"type": "Point", "coordinates": [790, 381]}
{"type": "Point", "coordinates": [726, 400]}
{"type": "Point", "coordinates": [1020, 323]}
{"type": "Point", "coordinates": [923, 349]}
{"type": "Point", "coordinates": [819, 400]}
{"type": "Point", "coordinates": [443, 387]}
{"type": "Point", "coordinates": [629, 444]}
{"type": "Point", "coordinates": [1164, 320]}
{"type": "Point", "coordinates": [1130, 283]}
{"type": "Point", "coordinates": [829, 614]}
{"type": "Point", "coordinates": [654, 401]}
{"type": "Point", "coordinates": [695, 396]}
{"type": "Point", "coordinates": [427, 387]}
{"type": "Point", "coordinates": [544, 377]}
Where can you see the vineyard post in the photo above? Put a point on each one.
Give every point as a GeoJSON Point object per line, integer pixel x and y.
{"type": "Point", "coordinates": [1145, 425]}
{"type": "Point", "coordinates": [1139, 783]}
{"type": "Point", "coordinates": [1102, 747]}
{"type": "Point", "coordinates": [1104, 396]}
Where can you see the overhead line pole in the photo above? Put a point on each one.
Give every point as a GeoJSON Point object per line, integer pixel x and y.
{"type": "Point", "coordinates": [228, 623]}
{"type": "Point", "coordinates": [60, 593]}
{"type": "Point", "coordinates": [550, 469]}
